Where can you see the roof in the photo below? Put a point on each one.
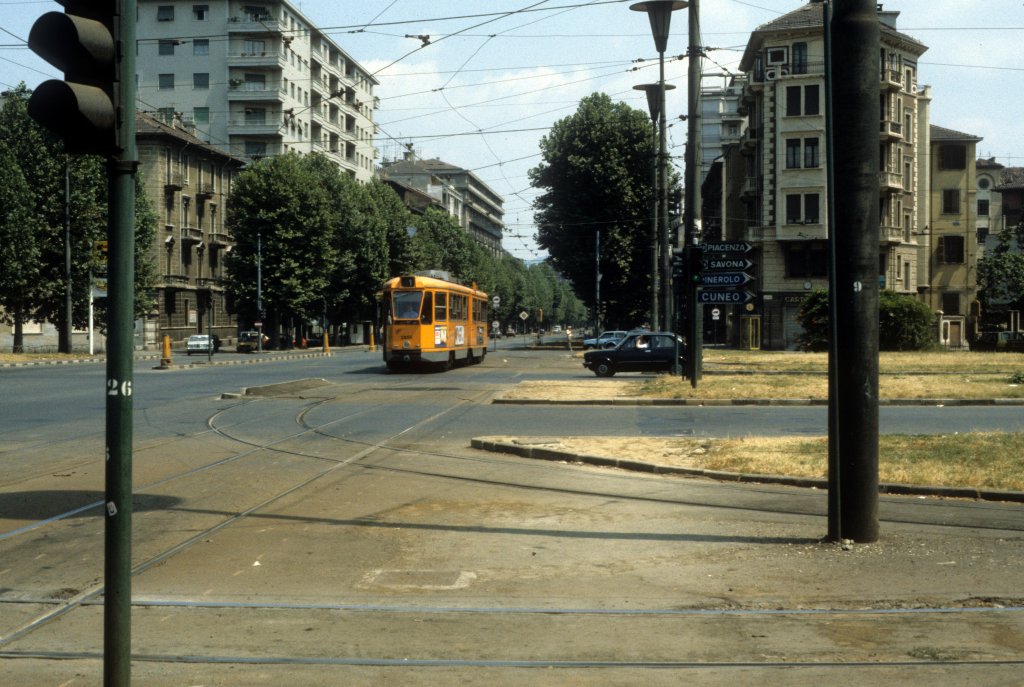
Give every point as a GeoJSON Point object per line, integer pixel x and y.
{"type": "Point", "coordinates": [810, 17]}
{"type": "Point", "coordinates": [939, 134]}
{"type": "Point", "coordinates": [148, 125]}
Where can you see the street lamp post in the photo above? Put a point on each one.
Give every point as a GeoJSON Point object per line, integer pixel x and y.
{"type": "Point", "coordinates": [654, 105]}
{"type": "Point", "coordinates": [259, 292]}
{"type": "Point", "coordinates": [659, 12]}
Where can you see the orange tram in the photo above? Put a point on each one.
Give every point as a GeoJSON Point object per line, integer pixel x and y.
{"type": "Point", "coordinates": [428, 318]}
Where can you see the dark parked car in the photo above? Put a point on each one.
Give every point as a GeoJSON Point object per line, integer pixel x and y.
{"type": "Point", "coordinates": [638, 352]}
{"type": "Point", "coordinates": [999, 341]}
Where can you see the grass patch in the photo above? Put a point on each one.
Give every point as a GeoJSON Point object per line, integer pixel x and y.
{"type": "Point", "coordinates": [993, 460]}
{"type": "Point", "coordinates": [37, 357]}
{"type": "Point", "coordinates": [888, 362]}
{"type": "Point", "coordinates": [891, 386]}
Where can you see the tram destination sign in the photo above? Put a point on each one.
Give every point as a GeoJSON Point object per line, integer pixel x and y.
{"type": "Point", "coordinates": [731, 247]}
{"type": "Point", "coordinates": [731, 297]}
{"type": "Point", "coordinates": [726, 264]}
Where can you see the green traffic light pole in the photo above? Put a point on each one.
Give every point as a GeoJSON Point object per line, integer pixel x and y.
{"type": "Point", "coordinates": [120, 347]}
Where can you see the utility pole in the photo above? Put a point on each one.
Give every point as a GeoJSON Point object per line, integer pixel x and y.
{"type": "Point", "coordinates": [692, 215]}
{"type": "Point", "coordinates": [64, 345]}
{"type": "Point", "coordinates": [853, 395]}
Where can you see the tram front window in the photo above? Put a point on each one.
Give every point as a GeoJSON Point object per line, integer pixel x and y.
{"type": "Point", "coordinates": [407, 304]}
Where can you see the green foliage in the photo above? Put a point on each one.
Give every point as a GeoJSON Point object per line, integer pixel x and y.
{"type": "Point", "coordinates": [596, 176]}
{"type": "Point", "coordinates": [1017, 378]}
{"type": "Point", "coordinates": [904, 323]}
{"type": "Point", "coordinates": [34, 169]}
{"type": "Point", "coordinates": [1001, 273]}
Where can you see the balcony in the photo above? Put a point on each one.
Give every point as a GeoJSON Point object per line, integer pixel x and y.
{"type": "Point", "coordinates": [890, 130]}
{"type": "Point", "coordinates": [220, 239]}
{"type": "Point", "coordinates": [204, 190]}
{"type": "Point", "coordinates": [891, 79]}
{"type": "Point", "coordinates": [191, 235]}
{"type": "Point", "coordinates": [212, 283]}
{"type": "Point", "coordinates": [751, 187]}
{"type": "Point", "coordinates": [175, 280]}
{"type": "Point", "coordinates": [253, 91]}
{"type": "Point", "coordinates": [749, 140]}
{"type": "Point", "coordinates": [888, 233]}
{"type": "Point", "coordinates": [890, 181]}
{"type": "Point", "coordinates": [255, 126]}
{"type": "Point", "coordinates": [264, 58]}
{"type": "Point", "coordinates": [254, 23]}
{"type": "Point", "coordinates": [175, 182]}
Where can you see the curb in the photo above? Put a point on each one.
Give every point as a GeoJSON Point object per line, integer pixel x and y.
{"type": "Point", "coordinates": [698, 402]}
{"type": "Point", "coordinates": [541, 453]}
{"type": "Point", "coordinates": [182, 365]}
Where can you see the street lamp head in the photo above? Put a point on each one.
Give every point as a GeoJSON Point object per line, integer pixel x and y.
{"type": "Point", "coordinates": [653, 91]}
{"type": "Point", "coordinates": [660, 14]}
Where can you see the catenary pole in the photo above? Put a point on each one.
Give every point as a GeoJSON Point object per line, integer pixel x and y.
{"type": "Point", "coordinates": [695, 311]}
{"type": "Point", "coordinates": [855, 36]}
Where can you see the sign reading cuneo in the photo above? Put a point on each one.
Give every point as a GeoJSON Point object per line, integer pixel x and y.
{"type": "Point", "coordinates": [736, 297]}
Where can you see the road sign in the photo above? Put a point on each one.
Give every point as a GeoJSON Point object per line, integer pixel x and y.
{"type": "Point", "coordinates": [727, 247]}
{"type": "Point", "coordinates": [724, 297]}
{"type": "Point", "coordinates": [496, 300]}
{"type": "Point", "coordinates": [725, 279]}
{"type": "Point", "coordinates": [524, 315]}
{"type": "Point", "coordinates": [727, 264]}
{"type": "Point", "coordinates": [715, 312]}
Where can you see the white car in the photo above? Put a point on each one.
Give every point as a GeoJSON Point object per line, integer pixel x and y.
{"type": "Point", "coordinates": [200, 343]}
{"type": "Point", "coordinates": [607, 339]}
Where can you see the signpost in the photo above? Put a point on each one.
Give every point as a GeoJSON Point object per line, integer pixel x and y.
{"type": "Point", "coordinates": [724, 277]}
{"type": "Point", "coordinates": [523, 315]}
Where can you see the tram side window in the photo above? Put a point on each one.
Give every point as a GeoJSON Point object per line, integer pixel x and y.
{"type": "Point", "coordinates": [441, 307]}
{"type": "Point", "coordinates": [459, 308]}
{"type": "Point", "coordinates": [428, 308]}
{"type": "Point", "coordinates": [407, 304]}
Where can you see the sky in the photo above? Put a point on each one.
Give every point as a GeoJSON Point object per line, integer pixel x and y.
{"type": "Point", "coordinates": [493, 76]}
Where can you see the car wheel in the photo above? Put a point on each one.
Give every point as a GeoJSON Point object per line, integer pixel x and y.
{"type": "Point", "coordinates": [604, 369]}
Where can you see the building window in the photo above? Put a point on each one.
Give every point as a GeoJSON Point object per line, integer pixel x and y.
{"type": "Point", "coordinates": [810, 153]}
{"type": "Point", "coordinates": [200, 12]}
{"type": "Point", "coordinates": [803, 100]}
{"type": "Point", "coordinates": [951, 303]}
{"type": "Point", "coordinates": [255, 148]}
{"type": "Point", "coordinates": [201, 47]}
{"type": "Point", "coordinates": [951, 201]}
{"type": "Point", "coordinates": [777, 55]}
{"type": "Point", "coordinates": [983, 183]}
{"type": "Point", "coordinates": [165, 47]}
{"type": "Point", "coordinates": [165, 13]}
{"type": "Point", "coordinates": [953, 157]}
{"type": "Point", "coordinates": [166, 82]}
{"type": "Point", "coordinates": [799, 65]}
{"type": "Point", "coordinates": [983, 207]}
{"type": "Point", "coordinates": [256, 116]}
{"type": "Point", "coordinates": [806, 261]}
{"type": "Point", "coordinates": [201, 115]}
{"type": "Point", "coordinates": [951, 250]}
{"type": "Point", "coordinates": [792, 153]}
{"type": "Point", "coordinates": [201, 81]}
{"type": "Point", "coordinates": [803, 208]}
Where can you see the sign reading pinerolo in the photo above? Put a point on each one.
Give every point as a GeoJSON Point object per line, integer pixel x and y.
{"type": "Point", "coordinates": [724, 273]}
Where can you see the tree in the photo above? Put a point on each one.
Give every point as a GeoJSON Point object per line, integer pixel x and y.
{"type": "Point", "coordinates": [1001, 275]}
{"type": "Point", "coordinates": [281, 210]}
{"type": "Point", "coordinates": [595, 176]}
{"type": "Point", "coordinates": [42, 163]}
{"type": "Point", "coordinates": [904, 323]}
{"type": "Point", "coordinates": [19, 247]}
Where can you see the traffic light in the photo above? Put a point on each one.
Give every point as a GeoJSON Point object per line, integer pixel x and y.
{"type": "Point", "coordinates": [678, 265]}
{"type": "Point", "coordinates": [695, 265]}
{"type": "Point", "coordinates": [81, 43]}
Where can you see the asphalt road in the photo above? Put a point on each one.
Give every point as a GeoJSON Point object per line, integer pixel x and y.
{"type": "Point", "coordinates": [344, 533]}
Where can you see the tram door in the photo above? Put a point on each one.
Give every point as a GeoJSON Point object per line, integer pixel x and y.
{"type": "Point", "coordinates": [750, 332]}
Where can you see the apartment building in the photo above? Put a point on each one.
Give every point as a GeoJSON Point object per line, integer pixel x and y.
{"type": "Point", "coordinates": [255, 78]}
{"type": "Point", "coordinates": [779, 167]}
{"type": "Point", "coordinates": [477, 207]}
{"type": "Point", "coordinates": [951, 250]}
{"type": "Point", "coordinates": [188, 183]}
